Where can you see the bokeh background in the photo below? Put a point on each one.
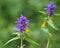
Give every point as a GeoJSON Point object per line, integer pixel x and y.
{"type": "Point", "coordinates": [10, 10]}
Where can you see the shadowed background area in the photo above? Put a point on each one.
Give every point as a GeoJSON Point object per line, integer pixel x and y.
{"type": "Point", "coordinates": [10, 10]}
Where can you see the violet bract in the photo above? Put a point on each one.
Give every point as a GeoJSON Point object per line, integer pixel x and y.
{"type": "Point", "coordinates": [21, 24]}
{"type": "Point", "coordinates": [50, 9]}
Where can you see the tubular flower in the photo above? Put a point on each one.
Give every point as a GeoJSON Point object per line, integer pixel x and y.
{"type": "Point", "coordinates": [44, 24]}
{"type": "Point", "coordinates": [50, 9]}
{"type": "Point", "coordinates": [22, 24]}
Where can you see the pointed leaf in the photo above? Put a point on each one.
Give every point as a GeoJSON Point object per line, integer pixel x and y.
{"type": "Point", "coordinates": [28, 39]}
{"type": "Point", "coordinates": [15, 38]}
{"type": "Point", "coordinates": [45, 30]}
{"type": "Point", "coordinates": [15, 33]}
{"type": "Point", "coordinates": [42, 12]}
{"type": "Point", "coordinates": [45, 13]}
{"type": "Point", "coordinates": [31, 41]}
{"type": "Point", "coordinates": [51, 24]}
{"type": "Point", "coordinates": [57, 14]}
{"type": "Point", "coordinates": [48, 33]}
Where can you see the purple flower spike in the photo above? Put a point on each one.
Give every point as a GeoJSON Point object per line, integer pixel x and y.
{"type": "Point", "coordinates": [22, 23]}
{"type": "Point", "coordinates": [50, 8]}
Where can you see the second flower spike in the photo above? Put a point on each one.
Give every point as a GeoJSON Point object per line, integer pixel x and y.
{"type": "Point", "coordinates": [50, 9]}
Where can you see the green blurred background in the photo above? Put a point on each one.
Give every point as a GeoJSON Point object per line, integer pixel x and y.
{"type": "Point", "coordinates": [10, 10]}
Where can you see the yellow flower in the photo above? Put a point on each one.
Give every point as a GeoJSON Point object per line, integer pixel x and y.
{"type": "Point", "coordinates": [27, 30]}
{"type": "Point", "coordinates": [44, 24]}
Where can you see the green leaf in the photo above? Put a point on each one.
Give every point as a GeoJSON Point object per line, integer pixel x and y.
{"type": "Point", "coordinates": [51, 24]}
{"type": "Point", "coordinates": [15, 38]}
{"type": "Point", "coordinates": [45, 13]}
{"type": "Point", "coordinates": [42, 12]}
{"type": "Point", "coordinates": [47, 31]}
{"type": "Point", "coordinates": [57, 14]}
{"type": "Point", "coordinates": [15, 33]}
{"type": "Point", "coordinates": [28, 39]}
{"type": "Point", "coordinates": [31, 41]}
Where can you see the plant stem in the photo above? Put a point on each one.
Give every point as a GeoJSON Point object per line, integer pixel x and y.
{"type": "Point", "coordinates": [47, 44]}
{"type": "Point", "coordinates": [21, 41]}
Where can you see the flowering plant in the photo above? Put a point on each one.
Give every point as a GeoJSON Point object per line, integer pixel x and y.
{"type": "Point", "coordinates": [22, 34]}
{"type": "Point", "coordinates": [22, 29]}
{"type": "Point", "coordinates": [48, 21]}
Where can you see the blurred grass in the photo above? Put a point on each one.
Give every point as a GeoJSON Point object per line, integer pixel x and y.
{"type": "Point", "coordinates": [10, 10]}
